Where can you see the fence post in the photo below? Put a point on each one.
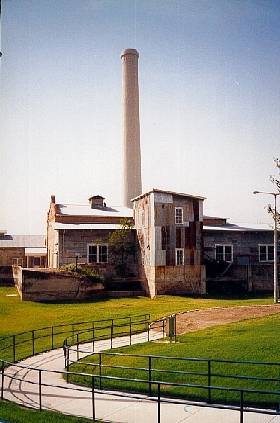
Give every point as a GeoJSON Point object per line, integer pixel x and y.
{"type": "Point", "coordinates": [52, 339]}
{"type": "Point", "coordinates": [100, 369]}
{"type": "Point", "coordinates": [241, 406]}
{"type": "Point", "coordinates": [150, 375]}
{"type": "Point", "coordinates": [77, 347]}
{"type": "Point", "coordinates": [40, 389]}
{"type": "Point", "coordinates": [73, 334]}
{"type": "Point", "coordinates": [14, 348]}
{"type": "Point", "coordinates": [2, 378]}
{"type": "Point", "coordinates": [163, 327]}
{"type": "Point", "coordinates": [175, 326]}
{"type": "Point", "coordinates": [33, 343]}
{"type": "Point", "coordinates": [209, 381]}
{"type": "Point", "coordinates": [112, 330]}
{"type": "Point", "coordinates": [148, 332]}
{"type": "Point", "coordinates": [130, 331]}
{"type": "Point", "coordinates": [92, 397]}
{"type": "Point", "coordinates": [158, 401]}
{"type": "Point", "coordinates": [93, 335]}
{"type": "Point", "coordinates": [67, 366]}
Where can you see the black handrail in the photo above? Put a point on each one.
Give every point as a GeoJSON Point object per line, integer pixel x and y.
{"type": "Point", "coordinates": [10, 344]}
{"type": "Point", "coordinates": [159, 384]}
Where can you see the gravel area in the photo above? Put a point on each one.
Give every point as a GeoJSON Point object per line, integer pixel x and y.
{"type": "Point", "coordinates": [201, 319]}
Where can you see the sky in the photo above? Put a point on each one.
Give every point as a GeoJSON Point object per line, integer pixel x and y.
{"type": "Point", "coordinates": [209, 103]}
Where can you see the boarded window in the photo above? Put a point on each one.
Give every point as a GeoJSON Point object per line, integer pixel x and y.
{"type": "Point", "coordinates": [163, 238]}
{"type": "Point", "coordinates": [190, 235]}
{"type": "Point", "coordinates": [196, 210]}
{"type": "Point", "coordinates": [170, 257]}
{"type": "Point", "coordinates": [187, 238]}
{"type": "Point", "coordinates": [191, 257]}
{"type": "Point", "coordinates": [178, 238]}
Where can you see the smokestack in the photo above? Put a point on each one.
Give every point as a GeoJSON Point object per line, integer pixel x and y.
{"type": "Point", "coordinates": [132, 185]}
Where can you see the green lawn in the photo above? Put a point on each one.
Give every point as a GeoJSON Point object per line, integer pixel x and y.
{"type": "Point", "coordinates": [252, 340]}
{"type": "Point", "coordinates": [13, 413]}
{"type": "Point", "coordinates": [18, 316]}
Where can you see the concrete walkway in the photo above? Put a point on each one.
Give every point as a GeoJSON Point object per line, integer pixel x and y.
{"type": "Point", "coordinates": [109, 406]}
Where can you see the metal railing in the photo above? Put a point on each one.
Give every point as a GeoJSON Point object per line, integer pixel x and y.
{"type": "Point", "coordinates": [158, 397]}
{"type": "Point", "coordinates": [25, 344]}
{"type": "Point", "coordinates": [166, 368]}
{"type": "Point", "coordinates": [77, 334]}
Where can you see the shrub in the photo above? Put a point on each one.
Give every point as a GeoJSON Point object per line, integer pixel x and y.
{"type": "Point", "coordinates": [87, 271]}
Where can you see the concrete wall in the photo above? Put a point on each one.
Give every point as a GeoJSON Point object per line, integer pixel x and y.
{"type": "Point", "coordinates": [34, 285]}
{"type": "Point", "coordinates": [9, 275]}
{"type": "Point", "coordinates": [178, 280]}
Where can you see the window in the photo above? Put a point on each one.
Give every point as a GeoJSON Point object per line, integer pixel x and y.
{"type": "Point", "coordinates": [179, 256]}
{"type": "Point", "coordinates": [97, 253]}
{"type": "Point", "coordinates": [17, 261]}
{"type": "Point", "coordinates": [266, 252]}
{"type": "Point", "coordinates": [224, 253]}
{"type": "Point", "coordinates": [178, 215]}
{"type": "Point", "coordinates": [37, 261]}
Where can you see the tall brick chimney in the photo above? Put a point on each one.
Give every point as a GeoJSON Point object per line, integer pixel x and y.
{"type": "Point", "coordinates": [132, 185]}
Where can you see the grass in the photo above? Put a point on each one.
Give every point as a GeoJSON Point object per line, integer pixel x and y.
{"type": "Point", "coordinates": [18, 316]}
{"type": "Point", "coordinates": [14, 413]}
{"type": "Point", "coordinates": [252, 340]}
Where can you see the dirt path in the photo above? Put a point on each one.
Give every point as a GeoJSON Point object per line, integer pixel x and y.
{"type": "Point", "coordinates": [201, 319]}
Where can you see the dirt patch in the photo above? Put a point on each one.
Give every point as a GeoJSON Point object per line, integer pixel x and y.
{"type": "Point", "coordinates": [201, 319]}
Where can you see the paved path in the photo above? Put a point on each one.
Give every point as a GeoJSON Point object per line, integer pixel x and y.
{"type": "Point", "coordinates": [111, 407]}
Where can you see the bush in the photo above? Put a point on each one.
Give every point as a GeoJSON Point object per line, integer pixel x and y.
{"type": "Point", "coordinates": [87, 271]}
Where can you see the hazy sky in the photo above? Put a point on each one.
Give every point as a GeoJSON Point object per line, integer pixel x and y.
{"type": "Point", "coordinates": [209, 102]}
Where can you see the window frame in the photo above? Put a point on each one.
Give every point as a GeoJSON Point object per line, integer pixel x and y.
{"type": "Point", "coordinates": [176, 257]}
{"type": "Point", "coordinates": [267, 260]}
{"type": "Point", "coordinates": [98, 253]}
{"type": "Point", "coordinates": [182, 215]}
{"type": "Point", "coordinates": [18, 260]}
{"type": "Point", "coordinates": [224, 252]}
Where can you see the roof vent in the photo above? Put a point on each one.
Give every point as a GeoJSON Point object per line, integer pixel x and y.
{"type": "Point", "coordinates": [97, 202]}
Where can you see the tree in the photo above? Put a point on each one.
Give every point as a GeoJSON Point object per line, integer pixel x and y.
{"type": "Point", "coordinates": [276, 182]}
{"type": "Point", "coordinates": [121, 246]}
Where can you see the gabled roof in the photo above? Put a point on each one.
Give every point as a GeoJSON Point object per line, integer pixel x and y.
{"type": "Point", "coordinates": [180, 194]}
